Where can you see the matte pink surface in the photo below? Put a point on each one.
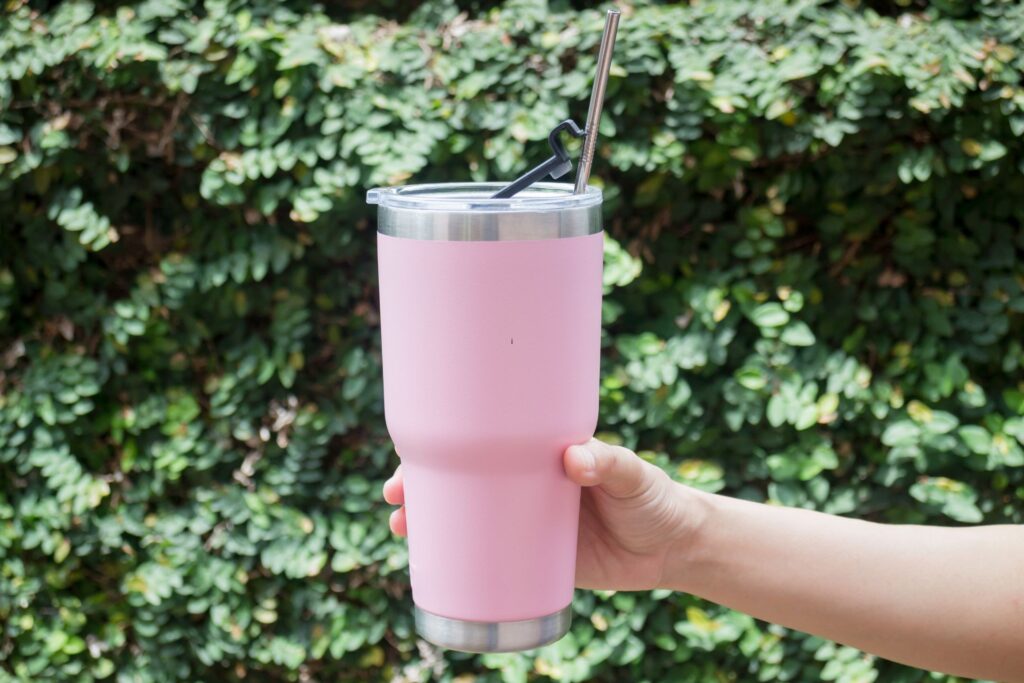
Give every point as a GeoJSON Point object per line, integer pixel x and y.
{"type": "Point", "coordinates": [491, 369]}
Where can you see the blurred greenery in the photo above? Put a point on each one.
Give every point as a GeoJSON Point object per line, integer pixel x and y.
{"type": "Point", "coordinates": [814, 297]}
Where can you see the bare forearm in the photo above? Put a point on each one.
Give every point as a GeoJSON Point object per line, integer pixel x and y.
{"type": "Point", "coordinates": [937, 598]}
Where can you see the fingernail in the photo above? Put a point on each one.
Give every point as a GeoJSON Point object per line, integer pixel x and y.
{"type": "Point", "coordinates": [588, 459]}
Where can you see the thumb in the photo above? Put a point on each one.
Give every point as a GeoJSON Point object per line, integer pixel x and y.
{"type": "Point", "coordinates": [618, 471]}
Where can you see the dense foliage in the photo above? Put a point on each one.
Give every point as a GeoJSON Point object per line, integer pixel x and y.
{"type": "Point", "coordinates": [814, 275]}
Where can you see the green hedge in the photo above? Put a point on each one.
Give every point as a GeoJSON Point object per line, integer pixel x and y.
{"type": "Point", "coordinates": [815, 295]}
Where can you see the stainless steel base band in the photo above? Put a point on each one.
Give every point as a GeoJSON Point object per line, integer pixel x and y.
{"type": "Point", "coordinates": [488, 636]}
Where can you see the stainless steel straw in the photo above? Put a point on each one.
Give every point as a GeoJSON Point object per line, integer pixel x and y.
{"type": "Point", "coordinates": [604, 63]}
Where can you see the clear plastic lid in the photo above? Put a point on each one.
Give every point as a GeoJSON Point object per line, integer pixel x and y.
{"type": "Point", "coordinates": [476, 198]}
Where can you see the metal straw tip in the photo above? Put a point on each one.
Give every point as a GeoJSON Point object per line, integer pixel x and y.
{"type": "Point", "coordinates": [604, 63]}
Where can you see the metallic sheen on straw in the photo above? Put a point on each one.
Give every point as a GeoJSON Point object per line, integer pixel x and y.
{"type": "Point", "coordinates": [604, 63]}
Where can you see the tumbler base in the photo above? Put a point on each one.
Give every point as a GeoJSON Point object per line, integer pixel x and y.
{"type": "Point", "coordinates": [492, 636]}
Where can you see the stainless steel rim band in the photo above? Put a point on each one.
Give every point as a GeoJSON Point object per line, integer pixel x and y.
{"type": "Point", "coordinates": [488, 226]}
{"type": "Point", "coordinates": [502, 636]}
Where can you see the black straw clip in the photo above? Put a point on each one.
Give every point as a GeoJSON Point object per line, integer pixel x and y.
{"type": "Point", "coordinates": [557, 166]}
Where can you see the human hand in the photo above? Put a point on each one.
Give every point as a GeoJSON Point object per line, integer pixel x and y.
{"type": "Point", "coordinates": [633, 517]}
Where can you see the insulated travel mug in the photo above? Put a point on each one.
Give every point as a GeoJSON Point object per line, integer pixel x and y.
{"type": "Point", "coordinates": [490, 316]}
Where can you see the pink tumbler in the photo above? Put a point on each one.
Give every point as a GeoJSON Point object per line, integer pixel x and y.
{"type": "Point", "coordinates": [491, 325]}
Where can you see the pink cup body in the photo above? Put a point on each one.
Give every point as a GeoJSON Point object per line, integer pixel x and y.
{"type": "Point", "coordinates": [491, 353]}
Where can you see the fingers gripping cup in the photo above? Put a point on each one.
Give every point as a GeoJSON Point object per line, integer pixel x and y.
{"type": "Point", "coordinates": [490, 324]}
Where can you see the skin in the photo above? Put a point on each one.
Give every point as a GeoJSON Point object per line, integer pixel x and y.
{"type": "Point", "coordinates": [947, 599]}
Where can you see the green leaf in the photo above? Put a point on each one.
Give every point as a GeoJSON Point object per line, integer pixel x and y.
{"type": "Point", "coordinates": [976, 438]}
{"type": "Point", "coordinates": [1015, 400]}
{"type": "Point", "coordinates": [901, 433]}
{"type": "Point", "coordinates": [797, 333]}
{"type": "Point", "coordinates": [769, 315]}
{"type": "Point", "coordinates": [752, 378]}
{"type": "Point", "coordinates": [777, 410]}
{"type": "Point", "coordinates": [957, 500]}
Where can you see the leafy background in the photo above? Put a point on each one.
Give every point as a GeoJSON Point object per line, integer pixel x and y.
{"type": "Point", "coordinates": [814, 298]}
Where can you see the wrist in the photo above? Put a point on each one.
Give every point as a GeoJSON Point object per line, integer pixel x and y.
{"type": "Point", "coordinates": [686, 552]}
